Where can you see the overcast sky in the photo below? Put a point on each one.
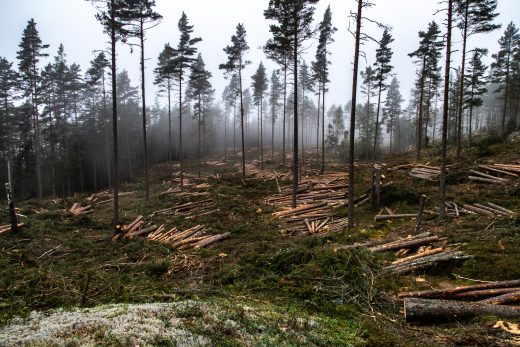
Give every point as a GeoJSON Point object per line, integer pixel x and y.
{"type": "Point", "coordinates": [72, 23]}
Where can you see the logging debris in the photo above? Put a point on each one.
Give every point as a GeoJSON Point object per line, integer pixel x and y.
{"type": "Point", "coordinates": [494, 173]}
{"type": "Point", "coordinates": [487, 209]}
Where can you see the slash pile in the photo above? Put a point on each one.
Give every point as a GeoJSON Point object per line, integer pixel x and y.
{"type": "Point", "coordinates": [77, 209]}
{"type": "Point", "coordinates": [189, 210]}
{"type": "Point", "coordinates": [191, 238]}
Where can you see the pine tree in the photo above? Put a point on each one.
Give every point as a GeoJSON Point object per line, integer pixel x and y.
{"type": "Point", "coordinates": [234, 66]}
{"type": "Point", "coordinates": [97, 71]}
{"type": "Point", "coordinates": [9, 84]}
{"type": "Point", "coordinates": [320, 69]}
{"type": "Point", "coordinates": [293, 28]}
{"type": "Point", "coordinates": [506, 62]}
{"type": "Point", "coordinates": [473, 17]}
{"type": "Point", "coordinates": [138, 16]}
{"type": "Point", "coordinates": [164, 78]}
{"type": "Point", "coordinates": [200, 89]}
{"type": "Point", "coordinates": [382, 70]}
{"type": "Point", "coordinates": [274, 100]}
{"type": "Point", "coordinates": [31, 50]}
{"type": "Point", "coordinates": [259, 86]}
{"type": "Point", "coordinates": [367, 89]}
{"type": "Point", "coordinates": [181, 63]}
{"type": "Point", "coordinates": [427, 56]}
{"type": "Point", "coordinates": [475, 85]}
{"type": "Point", "coordinates": [392, 112]}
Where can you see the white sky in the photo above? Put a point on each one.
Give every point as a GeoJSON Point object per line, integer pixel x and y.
{"type": "Point", "coordinates": [72, 23]}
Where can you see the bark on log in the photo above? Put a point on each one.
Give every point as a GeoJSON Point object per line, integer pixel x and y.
{"type": "Point", "coordinates": [478, 173]}
{"type": "Point", "coordinates": [500, 208]}
{"type": "Point", "coordinates": [207, 242]}
{"type": "Point", "coordinates": [485, 293]}
{"type": "Point", "coordinates": [503, 299]}
{"type": "Point", "coordinates": [427, 262]}
{"type": "Point", "coordinates": [417, 256]}
{"type": "Point", "coordinates": [429, 310]}
{"type": "Point", "coordinates": [437, 293]}
{"type": "Point", "coordinates": [490, 168]}
{"type": "Point", "coordinates": [143, 231]}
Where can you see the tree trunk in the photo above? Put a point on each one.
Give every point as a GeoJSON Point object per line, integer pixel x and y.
{"type": "Point", "coordinates": [420, 116]}
{"type": "Point", "coordinates": [242, 121]}
{"type": "Point", "coordinates": [353, 120]}
{"type": "Point", "coordinates": [284, 110]}
{"type": "Point", "coordinates": [169, 123]}
{"type": "Point", "coordinates": [261, 136]}
{"type": "Point", "coordinates": [323, 131]}
{"type": "Point", "coordinates": [295, 135]}
{"type": "Point", "coordinates": [145, 142]}
{"type": "Point", "coordinates": [442, 185]}
{"type": "Point", "coordinates": [460, 111]}
{"type": "Point", "coordinates": [318, 129]}
{"type": "Point", "coordinates": [181, 153]}
{"type": "Point", "coordinates": [115, 174]}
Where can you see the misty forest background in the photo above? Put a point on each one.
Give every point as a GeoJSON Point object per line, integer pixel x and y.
{"type": "Point", "coordinates": [56, 117]}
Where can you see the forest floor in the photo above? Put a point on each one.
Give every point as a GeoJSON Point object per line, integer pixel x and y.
{"type": "Point", "coordinates": [260, 286]}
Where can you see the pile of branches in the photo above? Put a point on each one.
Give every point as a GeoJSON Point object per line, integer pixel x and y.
{"type": "Point", "coordinates": [189, 210]}
{"type": "Point", "coordinates": [191, 238]}
{"type": "Point", "coordinates": [77, 209]}
{"type": "Point", "coordinates": [491, 298]}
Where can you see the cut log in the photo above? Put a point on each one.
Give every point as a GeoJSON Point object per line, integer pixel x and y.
{"type": "Point", "coordinates": [486, 180]}
{"type": "Point", "coordinates": [507, 298]}
{"type": "Point", "coordinates": [392, 246]}
{"type": "Point", "coordinates": [478, 210]}
{"type": "Point", "coordinates": [417, 256]}
{"type": "Point", "coordinates": [429, 310]}
{"type": "Point", "coordinates": [485, 293]}
{"type": "Point", "coordinates": [478, 173]}
{"type": "Point", "coordinates": [207, 242]}
{"type": "Point", "coordinates": [490, 209]}
{"type": "Point", "coordinates": [500, 208]}
{"type": "Point", "coordinates": [143, 231]}
{"type": "Point", "coordinates": [442, 293]}
{"type": "Point", "coordinates": [490, 168]}
{"type": "Point", "coordinates": [427, 262]}
{"type": "Point", "coordinates": [383, 217]}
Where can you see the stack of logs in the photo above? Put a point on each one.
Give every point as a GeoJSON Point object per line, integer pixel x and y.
{"type": "Point", "coordinates": [107, 194]}
{"type": "Point", "coordinates": [425, 172]}
{"type": "Point", "coordinates": [77, 209]}
{"type": "Point", "coordinates": [491, 298]}
{"type": "Point", "coordinates": [191, 238]}
{"type": "Point", "coordinates": [494, 172]}
{"type": "Point", "coordinates": [430, 251]}
{"type": "Point", "coordinates": [310, 219]}
{"type": "Point", "coordinates": [189, 210]}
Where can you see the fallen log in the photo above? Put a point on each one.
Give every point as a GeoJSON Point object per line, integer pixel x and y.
{"type": "Point", "coordinates": [405, 243]}
{"type": "Point", "coordinates": [383, 217]}
{"type": "Point", "coordinates": [478, 210]}
{"type": "Point", "coordinates": [430, 310]}
{"type": "Point", "coordinates": [478, 173]}
{"type": "Point", "coordinates": [427, 262]}
{"type": "Point", "coordinates": [417, 256]}
{"type": "Point", "coordinates": [500, 208]}
{"type": "Point", "coordinates": [485, 293]}
{"type": "Point", "coordinates": [486, 180]}
{"type": "Point", "coordinates": [503, 299]}
{"type": "Point", "coordinates": [490, 168]}
{"type": "Point", "coordinates": [438, 293]}
{"type": "Point", "coordinates": [143, 231]}
{"type": "Point", "coordinates": [207, 242]}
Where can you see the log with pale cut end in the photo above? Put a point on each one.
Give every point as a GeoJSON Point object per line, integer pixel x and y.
{"type": "Point", "coordinates": [507, 298]}
{"type": "Point", "coordinates": [404, 244]}
{"type": "Point", "coordinates": [427, 262]}
{"type": "Point", "coordinates": [418, 256]}
{"type": "Point", "coordinates": [432, 310]}
{"type": "Point", "coordinates": [443, 293]}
